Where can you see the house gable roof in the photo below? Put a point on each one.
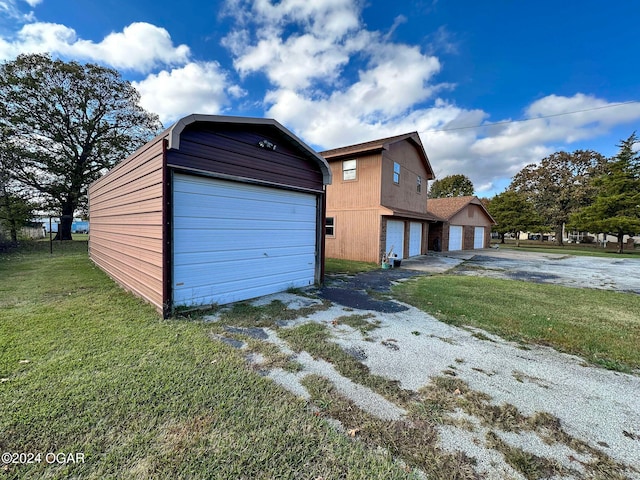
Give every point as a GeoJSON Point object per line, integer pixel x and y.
{"type": "Point", "coordinates": [380, 145]}
{"type": "Point", "coordinates": [448, 207]}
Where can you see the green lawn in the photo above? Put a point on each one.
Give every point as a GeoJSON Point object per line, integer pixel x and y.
{"type": "Point", "coordinates": [87, 368]}
{"type": "Point", "coordinates": [601, 326]}
{"type": "Point", "coordinates": [339, 265]}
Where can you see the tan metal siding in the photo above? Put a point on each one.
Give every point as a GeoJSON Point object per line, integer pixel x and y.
{"type": "Point", "coordinates": [404, 196]}
{"type": "Point", "coordinates": [357, 235]}
{"type": "Point", "coordinates": [126, 220]}
{"type": "Point", "coordinates": [472, 215]}
{"type": "Point", "coordinates": [363, 192]}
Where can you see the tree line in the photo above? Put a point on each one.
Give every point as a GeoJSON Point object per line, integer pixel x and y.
{"type": "Point", "coordinates": [582, 190]}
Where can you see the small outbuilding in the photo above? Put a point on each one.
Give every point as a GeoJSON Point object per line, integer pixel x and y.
{"type": "Point", "coordinates": [467, 224]}
{"type": "Point", "coordinates": [214, 210]}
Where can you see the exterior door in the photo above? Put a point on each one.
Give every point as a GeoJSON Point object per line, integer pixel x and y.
{"type": "Point", "coordinates": [395, 237]}
{"type": "Point", "coordinates": [455, 238]}
{"type": "Point", "coordinates": [478, 237]}
{"type": "Point", "coordinates": [415, 239]}
{"type": "Point", "coordinates": [234, 241]}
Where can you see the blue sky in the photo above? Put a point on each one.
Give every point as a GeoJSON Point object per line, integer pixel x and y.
{"type": "Point", "coordinates": [338, 72]}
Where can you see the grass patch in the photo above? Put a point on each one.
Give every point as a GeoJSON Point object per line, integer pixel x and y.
{"type": "Point", "coordinates": [358, 322]}
{"type": "Point", "coordinates": [244, 314]}
{"type": "Point", "coordinates": [531, 466]}
{"type": "Point", "coordinates": [601, 326]}
{"type": "Point", "coordinates": [140, 396]}
{"type": "Point", "coordinates": [413, 441]}
{"type": "Point", "coordinates": [339, 265]}
{"type": "Point", "coordinates": [314, 338]}
{"type": "Point", "coordinates": [444, 395]}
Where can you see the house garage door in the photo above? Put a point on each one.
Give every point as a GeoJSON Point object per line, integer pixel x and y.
{"type": "Point", "coordinates": [478, 237]}
{"type": "Point", "coordinates": [455, 238]}
{"type": "Point", "coordinates": [233, 241]}
{"type": "Point", "coordinates": [415, 239]}
{"type": "Point", "coordinates": [395, 237]}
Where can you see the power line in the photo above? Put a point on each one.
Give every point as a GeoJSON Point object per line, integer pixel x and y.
{"type": "Point", "coordinates": [506, 122]}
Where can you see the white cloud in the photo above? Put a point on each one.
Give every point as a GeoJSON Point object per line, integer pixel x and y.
{"type": "Point", "coordinates": [139, 47]}
{"type": "Point", "coordinates": [194, 88]}
{"type": "Point", "coordinates": [33, 3]}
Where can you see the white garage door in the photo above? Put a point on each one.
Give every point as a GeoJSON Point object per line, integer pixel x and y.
{"type": "Point", "coordinates": [234, 241]}
{"type": "Point", "coordinates": [395, 237]}
{"type": "Point", "coordinates": [415, 239]}
{"type": "Point", "coordinates": [455, 238]}
{"type": "Point", "coordinates": [478, 237]}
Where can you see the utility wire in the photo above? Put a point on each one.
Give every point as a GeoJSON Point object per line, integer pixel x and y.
{"type": "Point", "coordinates": [531, 119]}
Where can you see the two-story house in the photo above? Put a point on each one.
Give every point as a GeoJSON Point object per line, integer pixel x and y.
{"type": "Point", "coordinates": [377, 202]}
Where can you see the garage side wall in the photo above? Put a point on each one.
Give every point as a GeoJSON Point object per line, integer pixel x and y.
{"type": "Point", "coordinates": [125, 210]}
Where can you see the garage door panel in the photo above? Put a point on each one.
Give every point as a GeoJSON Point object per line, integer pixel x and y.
{"type": "Point", "coordinates": [234, 271]}
{"type": "Point", "coordinates": [197, 241]}
{"type": "Point", "coordinates": [197, 208]}
{"type": "Point", "coordinates": [235, 241]}
{"type": "Point", "coordinates": [281, 254]}
{"type": "Point", "coordinates": [235, 291]}
{"type": "Point", "coordinates": [245, 223]}
{"type": "Point", "coordinates": [455, 238]}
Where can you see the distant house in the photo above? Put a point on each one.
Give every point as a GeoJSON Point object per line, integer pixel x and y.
{"type": "Point", "coordinates": [378, 199]}
{"type": "Point", "coordinates": [467, 224]}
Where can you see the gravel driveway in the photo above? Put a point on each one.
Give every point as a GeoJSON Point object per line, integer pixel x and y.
{"type": "Point", "coordinates": [596, 408]}
{"type": "Point", "coordinates": [621, 274]}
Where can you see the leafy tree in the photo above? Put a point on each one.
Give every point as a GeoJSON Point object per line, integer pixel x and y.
{"type": "Point", "coordinates": [513, 213]}
{"type": "Point", "coordinates": [451, 186]}
{"type": "Point", "coordinates": [560, 185]}
{"type": "Point", "coordinates": [65, 125]}
{"type": "Point", "coordinates": [15, 207]}
{"type": "Point", "coordinates": [616, 207]}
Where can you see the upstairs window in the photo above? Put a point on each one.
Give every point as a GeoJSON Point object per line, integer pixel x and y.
{"type": "Point", "coordinates": [329, 227]}
{"type": "Point", "coordinates": [419, 184]}
{"type": "Point", "coordinates": [348, 170]}
{"type": "Point", "coordinates": [396, 172]}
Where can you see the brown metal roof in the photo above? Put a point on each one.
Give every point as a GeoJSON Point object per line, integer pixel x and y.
{"type": "Point", "coordinates": [396, 212]}
{"type": "Point", "coordinates": [371, 146]}
{"type": "Point", "coordinates": [173, 135]}
{"type": "Point", "coordinates": [448, 207]}
{"type": "Point", "coordinates": [378, 146]}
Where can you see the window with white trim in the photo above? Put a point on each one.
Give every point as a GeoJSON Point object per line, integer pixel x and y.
{"type": "Point", "coordinates": [349, 169]}
{"type": "Point", "coordinates": [396, 172]}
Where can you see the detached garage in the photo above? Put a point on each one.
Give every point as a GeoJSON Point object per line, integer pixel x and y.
{"type": "Point", "coordinates": [214, 210]}
{"type": "Point", "coordinates": [467, 224]}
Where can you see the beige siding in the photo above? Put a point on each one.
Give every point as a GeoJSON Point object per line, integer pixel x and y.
{"type": "Point", "coordinates": [404, 195]}
{"type": "Point", "coordinates": [363, 192]}
{"type": "Point", "coordinates": [357, 235]}
{"type": "Point", "coordinates": [472, 215]}
{"type": "Point", "coordinates": [125, 208]}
